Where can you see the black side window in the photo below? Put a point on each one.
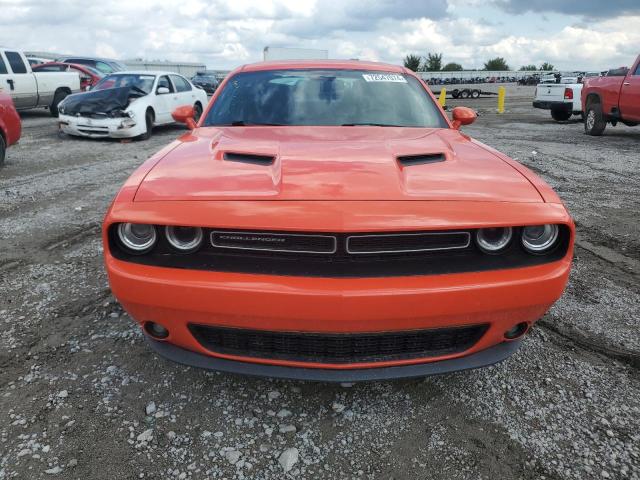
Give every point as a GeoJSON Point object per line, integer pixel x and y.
{"type": "Point", "coordinates": [637, 70]}
{"type": "Point", "coordinates": [3, 67]}
{"type": "Point", "coordinates": [181, 84]}
{"type": "Point", "coordinates": [15, 60]}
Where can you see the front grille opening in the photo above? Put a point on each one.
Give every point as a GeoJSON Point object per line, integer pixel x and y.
{"type": "Point", "coordinates": [408, 242]}
{"type": "Point", "coordinates": [340, 255]}
{"type": "Point", "coordinates": [274, 242]}
{"type": "Point", "coordinates": [338, 348]}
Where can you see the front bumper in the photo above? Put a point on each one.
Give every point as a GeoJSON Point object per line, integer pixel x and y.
{"type": "Point", "coordinates": [483, 358]}
{"type": "Point", "coordinates": [176, 297]}
{"type": "Point", "coordinates": [561, 106]}
{"type": "Point", "coordinates": [101, 128]}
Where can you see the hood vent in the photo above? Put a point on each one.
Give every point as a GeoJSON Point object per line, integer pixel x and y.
{"type": "Point", "coordinates": [411, 160]}
{"type": "Point", "coordinates": [265, 160]}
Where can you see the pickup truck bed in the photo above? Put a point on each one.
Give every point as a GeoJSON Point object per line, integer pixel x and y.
{"type": "Point", "coordinates": [563, 99]}
{"type": "Point", "coordinates": [612, 99]}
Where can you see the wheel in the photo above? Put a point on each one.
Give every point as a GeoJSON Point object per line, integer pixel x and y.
{"type": "Point", "coordinates": [148, 119]}
{"type": "Point", "coordinates": [197, 111]}
{"type": "Point", "coordinates": [455, 93]}
{"type": "Point", "coordinates": [57, 98]}
{"type": "Point", "coordinates": [3, 150]}
{"type": "Point", "coordinates": [560, 115]}
{"type": "Point", "coordinates": [475, 93]}
{"type": "Point", "coordinates": [594, 122]}
{"type": "Point", "coordinates": [464, 93]}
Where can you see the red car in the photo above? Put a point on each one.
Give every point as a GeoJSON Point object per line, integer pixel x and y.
{"type": "Point", "coordinates": [10, 124]}
{"type": "Point", "coordinates": [88, 76]}
{"type": "Point", "coordinates": [326, 220]}
{"type": "Point", "coordinates": [611, 99]}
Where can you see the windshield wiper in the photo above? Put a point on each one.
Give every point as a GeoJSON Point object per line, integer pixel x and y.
{"type": "Point", "coordinates": [370, 124]}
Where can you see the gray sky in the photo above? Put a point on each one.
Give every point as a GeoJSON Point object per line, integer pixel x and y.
{"type": "Point", "coordinates": [224, 34]}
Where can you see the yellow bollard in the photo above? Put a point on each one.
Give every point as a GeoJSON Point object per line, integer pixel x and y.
{"type": "Point", "coordinates": [501, 94]}
{"type": "Point", "coordinates": [443, 97]}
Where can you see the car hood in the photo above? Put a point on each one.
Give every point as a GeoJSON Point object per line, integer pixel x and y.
{"type": "Point", "coordinates": [108, 101]}
{"type": "Point", "coordinates": [333, 163]}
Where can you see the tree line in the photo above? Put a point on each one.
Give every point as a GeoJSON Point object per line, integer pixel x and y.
{"type": "Point", "coordinates": [433, 63]}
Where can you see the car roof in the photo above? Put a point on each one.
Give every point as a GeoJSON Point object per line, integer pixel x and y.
{"type": "Point", "coordinates": [329, 64]}
{"type": "Point", "coordinates": [145, 72]}
{"type": "Point", "coordinates": [80, 57]}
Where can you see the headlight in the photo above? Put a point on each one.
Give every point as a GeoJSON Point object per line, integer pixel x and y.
{"type": "Point", "coordinates": [493, 240]}
{"type": "Point", "coordinates": [184, 239]}
{"type": "Point", "coordinates": [137, 237]}
{"type": "Point", "coordinates": [539, 238]}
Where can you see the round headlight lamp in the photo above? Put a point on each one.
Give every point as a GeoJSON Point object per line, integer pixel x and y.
{"type": "Point", "coordinates": [539, 238]}
{"type": "Point", "coordinates": [137, 237]}
{"type": "Point", "coordinates": [493, 240]}
{"type": "Point", "coordinates": [184, 239]}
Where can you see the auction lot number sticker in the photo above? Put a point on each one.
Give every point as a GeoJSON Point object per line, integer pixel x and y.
{"type": "Point", "coordinates": [383, 77]}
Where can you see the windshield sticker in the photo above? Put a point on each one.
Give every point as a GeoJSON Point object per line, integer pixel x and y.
{"type": "Point", "coordinates": [383, 77]}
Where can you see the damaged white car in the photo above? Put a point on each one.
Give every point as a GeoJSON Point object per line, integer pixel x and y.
{"type": "Point", "coordinates": [129, 104]}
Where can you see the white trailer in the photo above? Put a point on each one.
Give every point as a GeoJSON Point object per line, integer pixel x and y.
{"type": "Point", "coordinates": [282, 53]}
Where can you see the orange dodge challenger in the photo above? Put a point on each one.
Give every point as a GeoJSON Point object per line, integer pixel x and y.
{"type": "Point", "coordinates": [325, 220]}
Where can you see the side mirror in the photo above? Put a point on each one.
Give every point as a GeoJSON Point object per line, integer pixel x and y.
{"type": "Point", "coordinates": [162, 90]}
{"type": "Point", "coordinates": [185, 114]}
{"type": "Point", "coordinates": [463, 116]}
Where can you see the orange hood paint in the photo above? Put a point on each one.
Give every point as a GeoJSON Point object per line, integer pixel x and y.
{"type": "Point", "coordinates": [333, 163]}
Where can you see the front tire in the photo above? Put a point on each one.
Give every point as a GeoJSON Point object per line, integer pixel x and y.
{"type": "Point", "coordinates": [57, 98]}
{"type": "Point", "coordinates": [148, 120]}
{"type": "Point", "coordinates": [594, 122]}
{"type": "Point", "coordinates": [560, 115]}
{"type": "Point", "coordinates": [197, 111]}
{"type": "Point", "coordinates": [3, 150]}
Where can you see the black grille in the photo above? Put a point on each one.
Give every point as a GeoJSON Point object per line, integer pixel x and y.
{"type": "Point", "coordinates": [338, 348]}
{"type": "Point", "coordinates": [275, 242]}
{"type": "Point", "coordinates": [340, 255]}
{"type": "Point", "coordinates": [408, 242]}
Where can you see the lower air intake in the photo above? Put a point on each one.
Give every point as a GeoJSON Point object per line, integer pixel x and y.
{"type": "Point", "coordinates": [338, 348]}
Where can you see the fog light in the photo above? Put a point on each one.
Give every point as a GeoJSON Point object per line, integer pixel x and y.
{"type": "Point", "coordinates": [493, 240]}
{"type": "Point", "coordinates": [185, 239]}
{"type": "Point", "coordinates": [517, 331]}
{"type": "Point", "coordinates": [156, 330]}
{"type": "Point", "coordinates": [539, 238]}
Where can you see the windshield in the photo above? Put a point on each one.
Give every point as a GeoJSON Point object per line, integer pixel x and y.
{"type": "Point", "coordinates": [143, 83]}
{"type": "Point", "coordinates": [324, 98]}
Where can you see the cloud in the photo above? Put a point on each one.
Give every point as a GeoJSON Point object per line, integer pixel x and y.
{"type": "Point", "coordinates": [583, 8]}
{"type": "Point", "coordinates": [223, 34]}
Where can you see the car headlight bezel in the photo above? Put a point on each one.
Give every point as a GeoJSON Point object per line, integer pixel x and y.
{"type": "Point", "coordinates": [497, 246]}
{"type": "Point", "coordinates": [544, 243]}
{"type": "Point", "coordinates": [134, 242]}
{"type": "Point", "coordinates": [184, 246]}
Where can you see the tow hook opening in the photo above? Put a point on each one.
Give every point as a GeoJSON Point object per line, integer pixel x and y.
{"type": "Point", "coordinates": [156, 330]}
{"type": "Point", "coordinates": [516, 331]}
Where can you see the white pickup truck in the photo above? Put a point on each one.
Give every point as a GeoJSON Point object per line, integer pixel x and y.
{"type": "Point", "coordinates": [33, 90]}
{"type": "Point", "coordinates": [563, 99]}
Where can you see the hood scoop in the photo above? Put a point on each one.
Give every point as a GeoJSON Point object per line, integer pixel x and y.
{"type": "Point", "coordinates": [422, 159]}
{"type": "Point", "coordinates": [252, 159]}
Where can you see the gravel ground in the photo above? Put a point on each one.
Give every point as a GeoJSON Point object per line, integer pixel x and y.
{"type": "Point", "coordinates": [81, 395]}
